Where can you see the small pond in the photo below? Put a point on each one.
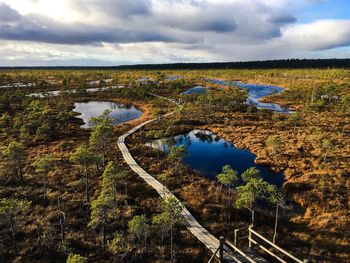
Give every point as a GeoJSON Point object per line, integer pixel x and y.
{"type": "Point", "coordinates": [18, 85]}
{"type": "Point", "coordinates": [47, 94]}
{"type": "Point", "coordinates": [55, 93]}
{"type": "Point", "coordinates": [208, 153]}
{"type": "Point", "coordinates": [195, 90]}
{"type": "Point", "coordinates": [119, 112]}
{"type": "Point", "coordinates": [172, 78]}
{"type": "Point", "coordinates": [256, 92]}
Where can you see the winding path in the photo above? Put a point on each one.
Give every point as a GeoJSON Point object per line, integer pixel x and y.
{"type": "Point", "coordinates": [202, 234]}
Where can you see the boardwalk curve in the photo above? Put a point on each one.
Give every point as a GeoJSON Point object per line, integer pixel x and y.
{"type": "Point", "coordinates": [202, 234]}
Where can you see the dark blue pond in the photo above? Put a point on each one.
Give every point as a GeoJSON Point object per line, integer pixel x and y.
{"type": "Point", "coordinates": [208, 153]}
{"type": "Point", "coordinates": [256, 92]}
{"type": "Point", "coordinates": [195, 90]}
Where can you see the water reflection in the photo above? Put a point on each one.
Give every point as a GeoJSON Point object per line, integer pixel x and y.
{"type": "Point", "coordinates": [55, 93]}
{"type": "Point", "coordinates": [119, 112]}
{"type": "Point", "coordinates": [208, 153]}
{"type": "Point", "coordinates": [256, 92]}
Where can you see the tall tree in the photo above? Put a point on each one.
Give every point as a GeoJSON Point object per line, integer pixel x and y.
{"type": "Point", "coordinates": [42, 166]}
{"type": "Point", "coordinates": [84, 158]}
{"type": "Point", "coordinates": [100, 139]}
{"type": "Point", "coordinates": [228, 178]}
{"type": "Point", "coordinates": [12, 210]}
{"type": "Point", "coordinates": [38, 120]}
{"type": "Point", "coordinates": [118, 246]}
{"type": "Point", "coordinates": [250, 193]}
{"type": "Point", "coordinates": [173, 208]}
{"type": "Point", "coordinates": [112, 177]}
{"type": "Point", "coordinates": [161, 224]}
{"type": "Point", "coordinates": [251, 173]}
{"type": "Point", "coordinates": [276, 198]}
{"type": "Point", "coordinates": [103, 209]}
{"type": "Point", "coordinates": [176, 155]}
{"type": "Point", "coordinates": [15, 156]}
{"type": "Point", "coordinates": [139, 228]}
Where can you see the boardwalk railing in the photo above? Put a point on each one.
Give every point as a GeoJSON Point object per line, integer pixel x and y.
{"type": "Point", "coordinates": [224, 246]}
{"type": "Point", "coordinates": [237, 237]}
{"type": "Point", "coordinates": [253, 238]}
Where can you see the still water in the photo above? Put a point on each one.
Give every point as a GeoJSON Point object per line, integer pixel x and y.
{"type": "Point", "coordinates": [55, 93]}
{"type": "Point", "coordinates": [195, 90]}
{"type": "Point", "coordinates": [256, 92]}
{"type": "Point", "coordinates": [208, 153]}
{"type": "Point", "coordinates": [119, 112]}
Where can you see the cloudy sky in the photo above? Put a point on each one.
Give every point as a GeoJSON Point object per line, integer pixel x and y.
{"type": "Point", "coordinates": [116, 32]}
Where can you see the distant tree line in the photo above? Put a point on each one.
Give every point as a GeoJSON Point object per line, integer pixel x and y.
{"type": "Point", "coordinates": [267, 64]}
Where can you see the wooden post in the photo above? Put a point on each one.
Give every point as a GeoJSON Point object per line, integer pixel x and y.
{"type": "Point", "coordinates": [236, 234]}
{"type": "Point", "coordinates": [250, 236]}
{"type": "Point", "coordinates": [221, 250]}
{"type": "Point", "coordinates": [276, 221]}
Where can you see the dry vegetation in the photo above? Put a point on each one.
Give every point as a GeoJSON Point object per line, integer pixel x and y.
{"type": "Point", "coordinates": [314, 153]}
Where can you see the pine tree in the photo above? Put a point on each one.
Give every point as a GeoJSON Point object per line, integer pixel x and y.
{"type": "Point", "coordinates": [176, 156]}
{"type": "Point", "coordinates": [173, 208]}
{"type": "Point", "coordinates": [103, 209]}
{"type": "Point", "coordinates": [100, 139]}
{"type": "Point", "coordinates": [15, 156]}
{"type": "Point", "coordinates": [42, 167]}
{"type": "Point", "coordinates": [84, 158]}
{"type": "Point", "coordinates": [139, 228]}
{"type": "Point", "coordinates": [251, 173]}
{"type": "Point", "coordinates": [112, 178]}
{"type": "Point", "coordinates": [250, 193]}
{"type": "Point", "coordinates": [228, 178]}
{"type": "Point", "coordinates": [161, 224]}
{"type": "Point", "coordinates": [12, 210]}
{"type": "Point", "coordinates": [276, 198]}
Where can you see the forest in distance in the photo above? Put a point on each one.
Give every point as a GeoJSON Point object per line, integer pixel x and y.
{"type": "Point", "coordinates": [260, 64]}
{"type": "Point", "coordinates": [263, 144]}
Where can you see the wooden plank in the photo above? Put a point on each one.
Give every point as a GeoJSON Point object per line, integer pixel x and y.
{"type": "Point", "coordinates": [268, 251]}
{"type": "Point", "coordinates": [240, 252]}
{"type": "Point", "coordinates": [275, 246]}
{"type": "Point", "coordinates": [213, 256]}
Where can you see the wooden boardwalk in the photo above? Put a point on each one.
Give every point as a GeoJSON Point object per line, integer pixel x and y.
{"type": "Point", "coordinates": [202, 234]}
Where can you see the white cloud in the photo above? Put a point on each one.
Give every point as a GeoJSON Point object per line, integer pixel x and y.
{"type": "Point", "coordinates": [321, 34]}
{"type": "Point", "coordinates": [157, 31]}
